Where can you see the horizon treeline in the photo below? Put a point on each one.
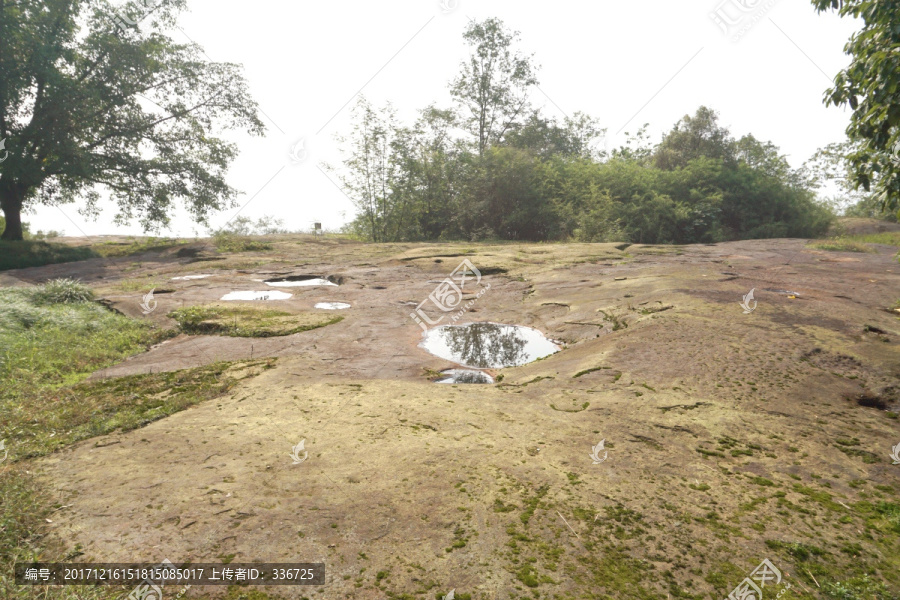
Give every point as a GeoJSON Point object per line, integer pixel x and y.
{"type": "Point", "coordinates": [492, 167]}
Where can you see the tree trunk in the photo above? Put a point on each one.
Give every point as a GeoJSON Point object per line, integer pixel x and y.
{"type": "Point", "coordinates": [11, 204]}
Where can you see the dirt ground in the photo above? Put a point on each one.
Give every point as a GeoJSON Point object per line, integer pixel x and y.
{"type": "Point", "coordinates": [730, 436]}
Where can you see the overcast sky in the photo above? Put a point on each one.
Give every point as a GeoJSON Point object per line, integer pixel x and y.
{"type": "Point", "coordinates": [626, 63]}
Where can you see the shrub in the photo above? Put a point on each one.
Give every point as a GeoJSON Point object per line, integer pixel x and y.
{"type": "Point", "coordinates": [62, 291]}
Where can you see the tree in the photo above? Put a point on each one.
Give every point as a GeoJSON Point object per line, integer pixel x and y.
{"type": "Point", "coordinates": [546, 137]}
{"type": "Point", "coordinates": [871, 87]}
{"type": "Point", "coordinates": [493, 85]}
{"type": "Point", "coordinates": [94, 99]}
{"type": "Point", "coordinates": [375, 171]}
{"type": "Point", "coordinates": [693, 137]}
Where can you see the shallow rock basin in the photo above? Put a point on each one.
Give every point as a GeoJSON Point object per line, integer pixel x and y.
{"type": "Point", "coordinates": [465, 376]}
{"type": "Point", "coordinates": [299, 281]}
{"type": "Point", "coordinates": [332, 305]}
{"type": "Point", "coordinates": [488, 345]}
{"type": "Point", "coordinates": [264, 295]}
{"type": "Point", "coordinates": [190, 277]}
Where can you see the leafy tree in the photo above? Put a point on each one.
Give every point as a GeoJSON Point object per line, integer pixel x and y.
{"type": "Point", "coordinates": [492, 87]}
{"type": "Point", "coordinates": [574, 137]}
{"type": "Point", "coordinates": [91, 98]}
{"type": "Point", "coordinates": [375, 170]}
{"type": "Point", "coordinates": [693, 137]}
{"type": "Point", "coordinates": [870, 85]}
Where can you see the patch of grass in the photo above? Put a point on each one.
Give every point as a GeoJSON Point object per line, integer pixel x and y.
{"type": "Point", "coordinates": [21, 255]}
{"type": "Point", "coordinates": [136, 246]}
{"type": "Point", "coordinates": [839, 244]}
{"type": "Point", "coordinates": [891, 238]}
{"type": "Point", "coordinates": [858, 588]}
{"type": "Point", "coordinates": [61, 291]}
{"type": "Point", "coordinates": [797, 550]}
{"type": "Point", "coordinates": [60, 417]}
{"type": "Point", "coordinates": [50, 336]}
{"type": "Point", "coordinates": [247, 321]}
{"type": "Point", "coordinates": [51, 339]}
{"type": "Point", "coordinates": [226, 242]}
{"type": "Point", "coordinates": [586, 371]}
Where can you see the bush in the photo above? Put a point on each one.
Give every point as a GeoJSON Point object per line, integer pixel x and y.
{"type": "Point", "coordinates": [62, 291]}
{"type": "Point", "coordinates": [228, 242]}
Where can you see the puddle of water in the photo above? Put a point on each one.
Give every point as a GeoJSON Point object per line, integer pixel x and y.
{"type": "Point", "coordinates": [265, 295]}
{"type": "Point", "coordinates": [332, 305]}
{"type": "Point", "coordinates": [488, 345]}
{"type": "Point", "coordinates": [189, 277]}
{"type": "Point", "coordinates": [298, 281]}
{"type": "Point", "coordinates": [465, 376]}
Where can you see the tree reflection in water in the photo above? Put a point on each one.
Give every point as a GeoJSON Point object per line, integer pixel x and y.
{"type": "Point", "coordinates": [486, 345]}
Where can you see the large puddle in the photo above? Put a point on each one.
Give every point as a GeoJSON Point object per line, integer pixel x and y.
{"type": "Point", "coordinates": [488, 345]}
{"type": "Point", "coordinates": [299, 281]}
{"type": "Point", "coordinates": [265, 295]}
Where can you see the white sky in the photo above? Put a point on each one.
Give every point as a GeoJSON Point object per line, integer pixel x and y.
{"type": "Point", "coordinates": [613, 60]}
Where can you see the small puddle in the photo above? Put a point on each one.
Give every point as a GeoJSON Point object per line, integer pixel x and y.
{"type": "Point", "coordinates": [189, 277]}
{"type": "Point", "coordinates": [298, 281]}
{"type": "Point", "coordinates": [265, 295]}
{"type": "Point", "coordinates": [465, 376]}
{"type": "Point", "coordinates": [488, 345]}
{"type": "Point", "coordinates": [332, 305]}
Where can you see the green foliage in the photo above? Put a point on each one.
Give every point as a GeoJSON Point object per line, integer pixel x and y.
{"type": "Point", "coordinates": [24, 254]}
{"type": "Point", "coordinates": [869, 85]}
{"type": "Point", "coordinates": [247, 321]}
{"type": "Point", "coordinates": [840, 244]}
{"type": "Point", "coordinates": [858, 588]}
{"type": "Point", "coordinates": [245, 226]}
{"type": "Point", "coordinates": [543, 182]}
{"type": "Point", "coordinates": [227, 242]}
{"type": "Point", "coordinates": [87, 102]}
{"type": "Point", "coordinates": [62, 291]}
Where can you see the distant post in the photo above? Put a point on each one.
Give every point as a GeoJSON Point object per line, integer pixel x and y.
{"type": "Point", "coordinates": [318, 228]}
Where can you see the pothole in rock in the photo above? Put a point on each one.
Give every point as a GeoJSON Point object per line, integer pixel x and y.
{"type": "Point", "coordinates": [488, 345]}
{"type": "Point", "coordinates": [299, 281]}
{"type": "Point", "coordinates": [465, 376]}
{"type": "Point", "coordinates": [332, 305]}
{"type": "Point", "coordinates": [264, 295]}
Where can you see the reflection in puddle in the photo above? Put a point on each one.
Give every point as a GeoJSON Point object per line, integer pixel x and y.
{"type": "Point", "coordinates": [332, 305]}
{"type": "Point", "coordinates": [488, 345]}
{"type": "Point", "coordinates": [189, 277]}
{"type": "Point", "coordinates": [465, 376]}
{"type": "Point", "coordinates": [298, 281]}
{"type": "Point", "coordinates": [266, 295]}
